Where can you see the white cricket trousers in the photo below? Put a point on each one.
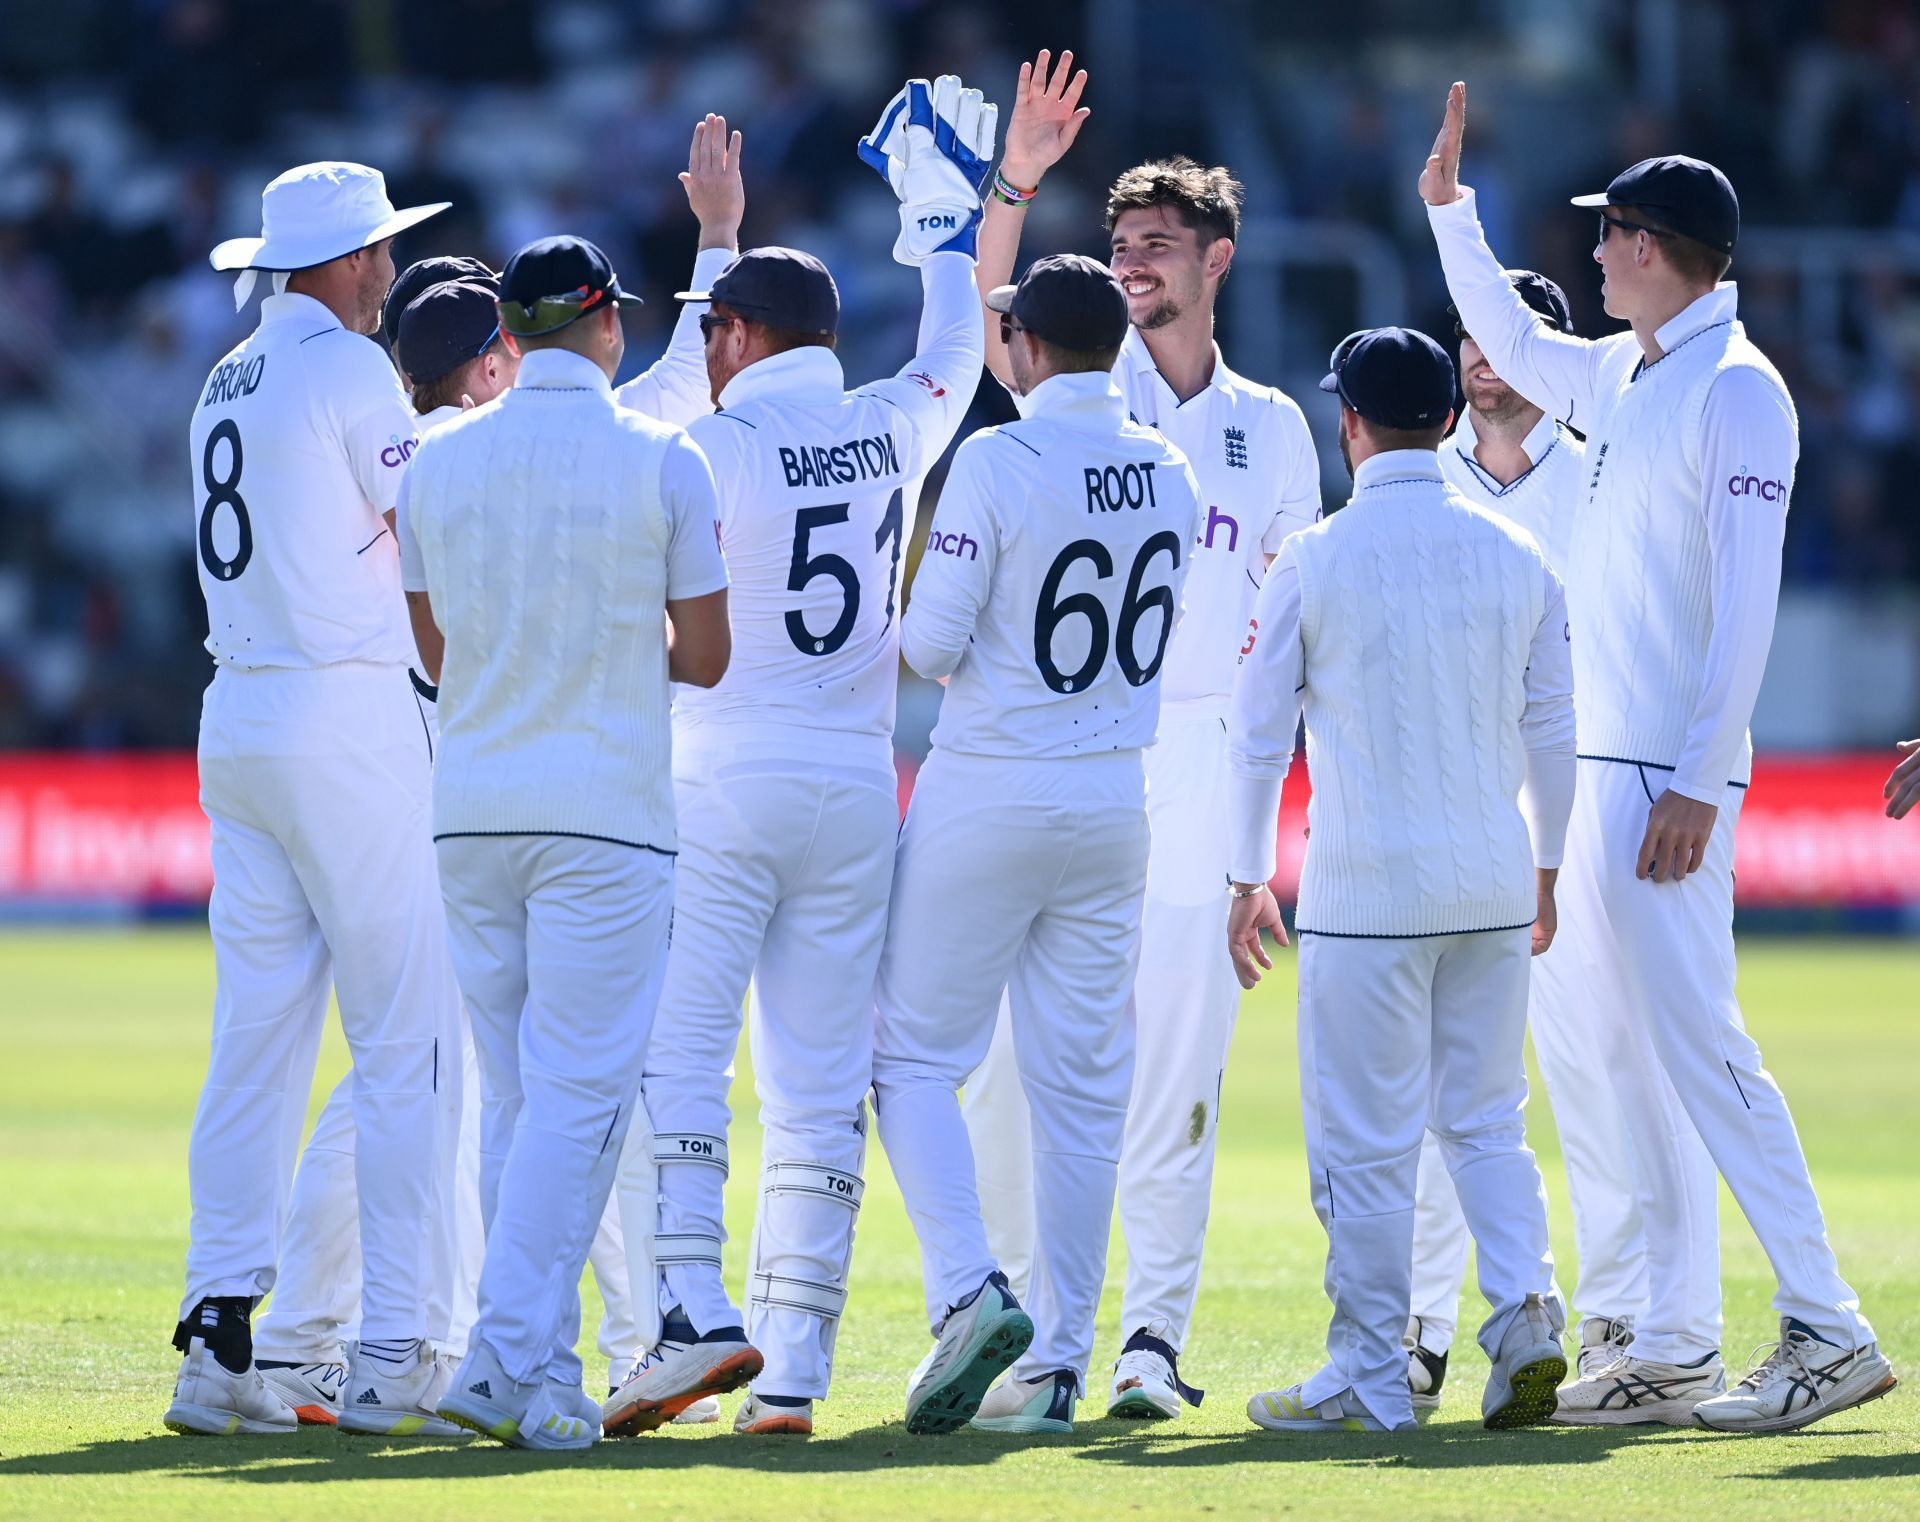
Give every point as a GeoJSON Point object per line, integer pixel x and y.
{"type": "Point", "coordinates": [1027, 877]}
{"type": "Point", "coordinates": [1185, 1001]}
{"type": "Point", "coordinates": [1688, 1073]}
{"type": "Point", "coordinates": [1398, 1036]}
{"type": "Point", "coordinates": [783, 879]}
{"type": "Point", "coordinates": [1594, 1131]}
{"type": "Point", "coordinates": [316, 784]}
{"type": "Point", "coordinates": [561, 946]}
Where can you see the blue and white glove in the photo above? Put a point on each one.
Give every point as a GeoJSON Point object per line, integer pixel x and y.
{"type": "Point", "coordinates": [934, 146]}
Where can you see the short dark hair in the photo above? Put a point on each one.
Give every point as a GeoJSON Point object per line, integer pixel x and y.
{"type": "Point", "coordinates": [1206, 200]}
{"type": "Point", "coordinates": [446, 390]}
{"type": "Point", "coordinates": [1385, 438]}
{"type": "Point", "coordinates": [1691, 259]}
{"type": "Point", "coordinates": [1076, 361]}
{"type": "Point", "coordinates": [780, 340]}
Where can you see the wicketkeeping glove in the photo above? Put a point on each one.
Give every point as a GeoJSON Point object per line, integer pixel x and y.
{"type": "Point", "coordinates": [934, 145]}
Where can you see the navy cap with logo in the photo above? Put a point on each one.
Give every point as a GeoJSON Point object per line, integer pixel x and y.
{"type": "Point", "coordinates": [445, 326]}
{"type": "Point", "coordinates": [1066, 299]}
{"type": "Point", "coordinates": [416, 277]}
{"type": "Point", "coordinates": [1537, 291]}
{"type": "Point", "coordinates": [1688, 195]}
{"type": "Point", "coordinates": [1396, 377]}
{"type": "Point", "coordinates": [555, 281]}
{"type": "Point", "coordinates": [781, 287]}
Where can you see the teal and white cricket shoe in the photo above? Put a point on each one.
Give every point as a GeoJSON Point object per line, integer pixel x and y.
{"type": "Point", "coordinates": [1285, 1411]}
{"type": "Point", "coordinates": [1030, 1405]}
{"type": "Point", "coordinates": [980, 1337]}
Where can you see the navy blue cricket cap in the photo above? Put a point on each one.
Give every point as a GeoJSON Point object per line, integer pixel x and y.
{"type": "Point", "coordinates": [1066, 299]}
{"type": "Point", "coordinates": [781, 287]}
{"type": "Point", "coordinates": [1688, 195]}
{"type": "Point", "coordinates": [1537, 291]}
{"type": "Point", "coordinates": [1396, 377]}
{"type": "Point", "coordinates": [416, 277]}
{"type": "Point", "coordinates": [555, 281]}
{"type": "Point", "coordinates": [445, 326]}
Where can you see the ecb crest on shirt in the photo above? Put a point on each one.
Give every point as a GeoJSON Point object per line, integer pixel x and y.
{"type": "Point", "coordinates": [1237, 448]}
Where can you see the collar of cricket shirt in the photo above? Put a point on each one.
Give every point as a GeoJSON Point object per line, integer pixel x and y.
{"type": "Point", "coordinates": [809, 373]}
{"type": "Point", "coordinates": [1539, 439]}
{"type": "Point", "coordinates": [1392, 466]}
{"type": "Point", "coordinates": [1088, 398]}
{"type": "Point", "coordinates": [1721, 304]}
{"type": "Point", "coordinates": [286, 306]}
{"type": "Point", "coordinates": [561, 370]}
{"type": "Point", "coordinates": [1135, 354]}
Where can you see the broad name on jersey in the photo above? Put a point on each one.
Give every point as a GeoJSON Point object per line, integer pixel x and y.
{"type": "Point", "coordinates": [1113, 488]}
{"type": "Point", "coordinates": [235, 379]}
{"type": "Point", "coordinates": [867, 459]}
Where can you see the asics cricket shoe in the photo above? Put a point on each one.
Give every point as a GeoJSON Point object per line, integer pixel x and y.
{"type": "Point", "coordinates": [1633, 1390]}
{"type": "Point", "coordinates": [1527, 1370]}
{"type": "Point", "coordinates": [683, 1367]}
{"type": "Point", "coordinates": [396, 1399]}
{"type": "Point", "coordinates": [1285, 1411]}
{"type": "Point", "coordinates": [484, 1399]}
{"type": "Point", "coordinates": [559, 1419]}
{"type": "Point", "coordinates": [982, 1335]}
{"type": "Point", "coordinates": [1426, 1371]}
{"type": "Point", "coordinates": [211, 1399]}
{"type": "Point", "coordinates": [1029, 1405]}
{"type": "Point", "coordinates": [1802, 1380]}
{"type": "Point", "coordinates": [761, 1418]}
{"type": "Point", "coordinates": [706, 1409]}
{"type": "Point", "coordinates": [312, 1389]}
{"type": "Point", "coordinates": [1146, 1379]}
{"type": "Point", "coordinates": [1603, 1340]}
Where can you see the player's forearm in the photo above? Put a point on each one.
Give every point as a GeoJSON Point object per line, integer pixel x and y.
{"type": "Point", "coordinates": [674, 388]}
{"type": "Point", "coordinates": [933, 638]}
{"type": "Point", "coordinates": [1000, 229]}
{"type": "Point", "coordinates": [1253, 824]}
{"type": "Point", "coordinates": [427, 638]}
{"type": "Point", "coordinates": [1546, 799]}
{"type": "Point", "coordinates": [952, 332]}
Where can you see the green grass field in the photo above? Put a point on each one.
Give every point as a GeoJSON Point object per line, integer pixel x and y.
{"type": "Point", "coordinates": [102, 1042]}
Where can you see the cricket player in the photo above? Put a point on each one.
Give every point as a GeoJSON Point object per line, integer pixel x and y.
{"type": "Point", "coordinates": [1509, 457]}
{"type": "Point", "coordinates": [1427, 642]}
{"type": "Point", "coordinates": [314, 775]}
{"type": "Point", "coordinates": [1674, 577]}
{"type": "Point", "coordinates": [1048, 594]}
{"type": "Point", "coordinates": [565, 548]}
{"type": "Point", "coordinates": [444, 330]}
{"type": "Point", "coordinates": [785, 787]}
{"type": "Point", "coordinates": [1172, 226]}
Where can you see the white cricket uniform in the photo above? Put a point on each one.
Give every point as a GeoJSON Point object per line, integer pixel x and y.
{"type": "Point", "coordinates": [550, 528]}
{"type": "Point", "coordinates": [316, 1302]}
{"type": "Point", "coordinates": [784, 782]}
{"type": "Point", "coordinates": [1673, 583]}
{"type": "Point", "coordinates": [1427, 641]}
{"type": "Point", "coordinates": [1049, 590]}
{"type": "Point", "coordinates": [1593, 1127]}
{"type": "Point", "coordinates": [314, 774]}
{"type": "Point", "coordinates": [1259, 481]}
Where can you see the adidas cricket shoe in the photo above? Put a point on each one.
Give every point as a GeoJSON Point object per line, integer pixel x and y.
{"type": "Point", "coordinates": [559, 1419]}
{"type": "Point", "coordinates": [1633, 1390]}
{"type": "Point", "coordinates": [212, 1400]}
{"type": "Point", "coordinates": [312, 1389]}
{"type": "Point", "coordinates": [982, 1335]}
{"type": "Point", "coordinates": [484, 1399]}
{"type": "Point", "coordinates": [683, 1367]}
{"type": "Point", "coordinates": [1426, 1372]}
{"type": "Point", "coordinates": [386, 1399]}
{"type": "Point", "coordinates": [704, 1410]}
{"type": "Point", "coordinates": [1802, 1380]}
{"type": "Point", "coordinates": [1527, 1371]}
{"type": "Point", "coordinates": [759, 1418]}
{"type": "Point", "coordinates": [1029, 1405]}
{"type": "Point", "coordinates": [1146, 1382]}
{"type": "Point", "coordinates": [1285, 1411]}
{"type": "Point", "coordinates": [1603, 1340]}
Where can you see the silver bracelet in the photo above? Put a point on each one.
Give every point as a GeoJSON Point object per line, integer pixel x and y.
{"type": "Point", "coordinates": [1233, 892]}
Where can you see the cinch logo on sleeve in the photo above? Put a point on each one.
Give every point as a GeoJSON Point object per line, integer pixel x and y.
{"type": "Point", "coordinates": [955, 545]}
{"type": "Point", "coordinates": [398, 450]}
{"type": "Point", "coordinates": [1753, 486]}
{"type": "Point", "coordinates": [1217, 520]}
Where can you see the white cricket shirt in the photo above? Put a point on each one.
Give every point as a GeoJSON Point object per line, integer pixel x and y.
{"type": "Point", "coordinates": [300, 440]}
{"type": "Point", "coordinates": [674, 388]}
{"type": "Point", "coordinates": [1543, 499]}
{"type": "Point", "coordinates": [813, 485]}
{"type": "Point", "coordinates": [1052, 580]}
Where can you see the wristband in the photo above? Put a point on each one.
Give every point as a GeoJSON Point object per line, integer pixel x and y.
{"type": "Point", "coordinates": [1004, 189]}
{"type": "Point", "coordinates": [1233, 892]}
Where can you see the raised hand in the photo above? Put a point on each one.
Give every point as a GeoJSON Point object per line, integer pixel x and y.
{"type": "Point", "coordinates": [1047, 116]}
{"type": "Point", "coordinates": [712, 180]}
{"type": "Point", "coordinates": [1903, 787]}
{"type": "Point", "coordinates": [1440, 180]}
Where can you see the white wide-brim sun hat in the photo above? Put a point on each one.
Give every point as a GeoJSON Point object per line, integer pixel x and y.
{"type": "Point", "coordinates": [313, 214]}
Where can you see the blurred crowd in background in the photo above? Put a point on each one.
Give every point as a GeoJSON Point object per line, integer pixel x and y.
{"type": "Point", "coordinates": [135, 134]}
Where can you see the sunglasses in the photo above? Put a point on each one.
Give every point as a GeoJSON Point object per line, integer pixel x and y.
{"type": "Point", "coordinates": [1626, 226]}
{"type": "Point", "coordinates": [709, 325]}
{"type": "Point", "coordinates": [1008, 327]}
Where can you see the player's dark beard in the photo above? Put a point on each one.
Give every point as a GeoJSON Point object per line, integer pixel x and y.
{"type": "Point", "coordinates": [1160, 316]}
{"type": "Point", "coordinates": [1346, 454]}
{"type": "Point", "coordinates": [1506, 405]}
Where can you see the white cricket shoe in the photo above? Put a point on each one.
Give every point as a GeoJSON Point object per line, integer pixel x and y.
{"type": "Point", "coordinates": [1029, 1405]}
{"type": "Point", "coordinates": [1426, 1371]}
{"type": "Point", "coordinates": [1527, 1370]}
{"type": "Point", "coordinates": [1803, 1380]}
{"type": "Point", "coordinates": [1633, 1390]}
{"type": "Point", "coordinates": [980, 1337]}
{"type": "Point", "coordinates": [677, 1371]}
{"type": "Point", "coordinates": [1603, 1340]}
{"type": "Point", "coordinates": [312, 1389]}
{"type": "Point", "coordinates": [1285, 1411]}
{"type": "Point", "coordinates": [706, 1409]}
{"type": "Point", "coordinates": [1146, 1383]}
{"type": "Point", "coordinates": [485, 1399]}
{"type": "Point", "coordinates": [211, 1399]}
{"type": "Point", "coordinates": [756, 1418]}
{"type": "Point", "coordinates": [559, 1419]}
{"type": "Point", "coordinates": [387, 1401]}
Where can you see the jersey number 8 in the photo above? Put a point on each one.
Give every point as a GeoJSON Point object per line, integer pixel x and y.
{"type": "Point", "coordinates": [1134, 603]}
{"type": "Point", "coordinates": [224, 493]}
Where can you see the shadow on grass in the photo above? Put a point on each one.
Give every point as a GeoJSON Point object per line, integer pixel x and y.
{"type": "Point", "coordinates": [1848, 1466]}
